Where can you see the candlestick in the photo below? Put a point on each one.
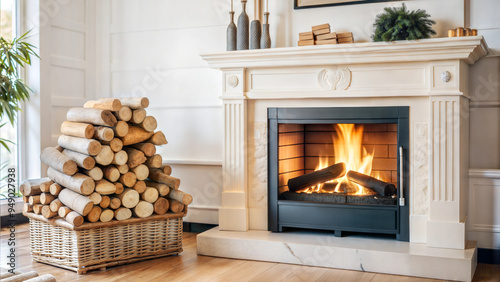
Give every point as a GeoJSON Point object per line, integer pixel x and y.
{"type": "Point", "coordinates": [231, 34]}
{"type": "Point", "coordinates": [242, 42]}
{"type": "Point", "coordinates": [265, 41]}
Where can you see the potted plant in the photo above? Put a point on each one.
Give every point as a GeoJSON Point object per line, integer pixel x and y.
{"type": "Point", "coordinates": [401, 24]}
{"type": "Point", "coordinates": [14, 55]}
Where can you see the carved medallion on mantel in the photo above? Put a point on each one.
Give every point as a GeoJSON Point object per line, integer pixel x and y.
{"type": "Point", "coordinates": [334, 79]}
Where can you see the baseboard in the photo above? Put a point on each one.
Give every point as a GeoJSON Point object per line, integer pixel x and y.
{"type": "Point", "coordinates": [197, 227]}
{"type": "Point", "coordinates": [489, 256]}
{"type": "Point", "coordinates": [18, 218]}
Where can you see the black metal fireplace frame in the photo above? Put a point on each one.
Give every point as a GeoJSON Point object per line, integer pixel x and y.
{"type": "Point", "coordinates": [339, 217]}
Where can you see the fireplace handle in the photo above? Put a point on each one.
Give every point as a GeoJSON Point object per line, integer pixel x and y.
{"type": "Point", "coordinates": [401, 178]}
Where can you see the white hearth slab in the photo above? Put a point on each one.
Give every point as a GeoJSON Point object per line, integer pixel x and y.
{"type": "Point", "coordinates": [355, 252]}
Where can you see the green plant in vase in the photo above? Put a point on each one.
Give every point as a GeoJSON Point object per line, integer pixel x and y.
{"type": "Point", "coordinates": [14, 55]}
{"type": "Point", "coordinates": [400, 24]}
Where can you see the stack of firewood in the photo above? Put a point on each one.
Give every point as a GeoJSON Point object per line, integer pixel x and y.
{"type": "Point", "coordinates": [321, 35]}
{"type": "Point", "coordinates": [105, 167]}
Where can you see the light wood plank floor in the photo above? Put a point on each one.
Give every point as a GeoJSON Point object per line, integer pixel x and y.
{"type": "Point", "coordinates": [190, 267]}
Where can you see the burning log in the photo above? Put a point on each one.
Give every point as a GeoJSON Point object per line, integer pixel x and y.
{"type": "Point", "coordinates": [380, 187]}
{"type": "Point", "coordinates": [314, 178]}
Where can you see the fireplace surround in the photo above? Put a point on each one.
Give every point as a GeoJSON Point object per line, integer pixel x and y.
{"type": "Point", "coordinates": [428, 76]}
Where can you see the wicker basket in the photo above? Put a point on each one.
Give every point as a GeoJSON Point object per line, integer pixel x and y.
{"type": "Point", "coordinates": [100, 245]}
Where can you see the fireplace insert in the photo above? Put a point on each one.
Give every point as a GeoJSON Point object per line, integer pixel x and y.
{"type": "Point", "coordinates": [340, 169]}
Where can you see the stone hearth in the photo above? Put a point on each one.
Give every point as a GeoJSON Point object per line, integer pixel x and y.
{"type": "Point", "coordinates": [428, 76]}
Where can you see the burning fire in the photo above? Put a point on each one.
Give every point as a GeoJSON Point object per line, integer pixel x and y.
{"type": "Point", "coordinates": [348, 149]}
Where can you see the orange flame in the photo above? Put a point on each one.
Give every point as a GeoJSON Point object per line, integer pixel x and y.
{"type": "Point", "coordinates": [347, 149]}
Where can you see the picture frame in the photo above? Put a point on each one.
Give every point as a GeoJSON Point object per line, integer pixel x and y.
{"type": "Point", "coordinates": [306, 4]}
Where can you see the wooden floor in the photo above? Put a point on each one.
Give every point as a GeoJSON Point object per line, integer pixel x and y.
{"type": "Point", "coordinates": [190, 267]}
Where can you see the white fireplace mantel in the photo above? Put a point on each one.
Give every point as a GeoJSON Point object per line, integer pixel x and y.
{"type": "Point", "coordinates": [469, 49]}
{"type": "Point", "coordinates": [429, 76]}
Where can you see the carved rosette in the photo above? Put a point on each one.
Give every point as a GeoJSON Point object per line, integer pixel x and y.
{"type": "Point", "coordinates": [334, 79]}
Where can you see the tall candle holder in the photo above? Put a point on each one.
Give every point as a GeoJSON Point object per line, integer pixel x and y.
{"type": "Point", "coordinates": [242, 42]}
{"type": "Point", "coordinates": [265, 41]}
{"type": "Point", "coordinates": [256, 27]}
{"type": "Point", "coordinates": [231, 34]}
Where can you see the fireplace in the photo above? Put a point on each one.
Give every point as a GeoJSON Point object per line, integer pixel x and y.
{"type": "Point", "coordinates": [368, 191]}
{"type": "Point", "coordinates": [415, 90]}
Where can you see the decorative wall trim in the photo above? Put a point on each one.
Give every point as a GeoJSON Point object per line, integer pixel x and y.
{"type": "Point", "coordinates": [193, 162]}
{"type": "Point", "coordinates": [185, 107]}
{"type": "Point", "coordinates": [484, 173]}
{"type": "Point", "coordinates": [485, 104]}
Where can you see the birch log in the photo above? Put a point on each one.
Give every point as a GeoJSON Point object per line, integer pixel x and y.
{"type": "Point", "coordinates": [163, 189]}
{"type": "Point", "coordinates": [129, 198]}
{"type": "Point", "coordinates": [104, 133]}
{"type": "Point", "coordinates": [81, 145]}
{"type": "Point", "coordinates": [154, 161]}
{"type": "Point", "coordinates": [149, 149]}
{"type": "Point", "coordinates": [120, 158]}
{"type": "Point", "coordinates": [64, 211]}
{"type": "Point", "coordinates": [76, 202]}
{"type": "Point", "coordinates": [158, 176]}
{"type": "Point", "coordinates": [79, 183]}
{"type": "Point", "coordinates": [158, 138]}
{"type": "Point", "coordinates": [138, 115]}
{"type": "Point", "coordinates": [135, 135]}
{"type": "Point", "coordinates": [175, 206]}
{"type": "Point", "coordinates": [140, 186]}
{"type": "Point", "coordinates": [57, 160]}
{"type": "Point", "coordinates": [125, 113]}
{"type": "Point", "coordinates": [105, 187]}
{"type": "Point", "coordinates": [95, 197]}
{"type": "Point", "coordinates": [82, 160]}
{"type": "Point", "coordinates": [111, 173]}
{"type": "Point", "coordinates": [180, 196]}
{"type": "Point", "coordinates": [121, 128]}
{"type": "Point", "coordinates": [141, 171]}
{"type": "Point", "coordinates": [123, 213]}
{"type": "Point", "coordinates": [161, 206]}
{"type": "Point", "coordinates": [150, 195]}
{"type": "Point", "coordinates": [149, 124]}
{"type": "Point", "coordinates": [135, 102]}
{"type": "Point", "coordinates": [74, 218]}
{"type": "Point", "coordinates": [109, 104]}
{"type": "Point", "coordinates": [105, 156]}
{"type": "Point", "coordinates": [116, 144]}
{"type": "Point", "coordinates": [56, 205]}
{"type": "Point", "coordinates": [45, 186]}
{"type": "Point", "coordinates": [55, 189]}
{"type": "Point", "coordinates": [94, 173]}
{"type": "Point", "coordinates": [46, 198]}
{"type": "Point", "coordinates": [77, 129]}
{"type": "Point", "coordinates": [93, 116]}
{"type": "Point", "coordinates": [128, 179]}
{"type": "Point", "coordinates": [135, 157]}
{"type": "Point", "coordinates": [143, 209]}
{"type": "Point", "coordinates": [32, 186]}
{"type": "Point", "coordinates": [94, 214]}
{"type": "Point", "coordinates": [47, 212]}
{"type": "Point", "coordinates": [107, 215]}
{"type": "Point", "coordinates": [115, 203]}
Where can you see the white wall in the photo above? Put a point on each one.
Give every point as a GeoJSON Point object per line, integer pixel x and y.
{"type": "Point", "coordinates": [152, 48]}
{"type": "Point", "coordinates": [64, 77]}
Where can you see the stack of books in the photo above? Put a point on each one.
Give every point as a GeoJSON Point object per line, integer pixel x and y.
{"type": "Point", "coordinates": [345, 37]}
{"type": "Point", "coordinates": [321, 34]}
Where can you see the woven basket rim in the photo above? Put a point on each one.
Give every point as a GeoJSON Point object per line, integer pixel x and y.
{"type": "Point", "coordinates": [57, 221]}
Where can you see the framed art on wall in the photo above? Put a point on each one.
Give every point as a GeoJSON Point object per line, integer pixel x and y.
{"type": "Point", "coordinates": [304, 4]}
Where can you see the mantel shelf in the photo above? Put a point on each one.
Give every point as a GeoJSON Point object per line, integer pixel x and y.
{"type": "Point", "coordinates": [469, 49]}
